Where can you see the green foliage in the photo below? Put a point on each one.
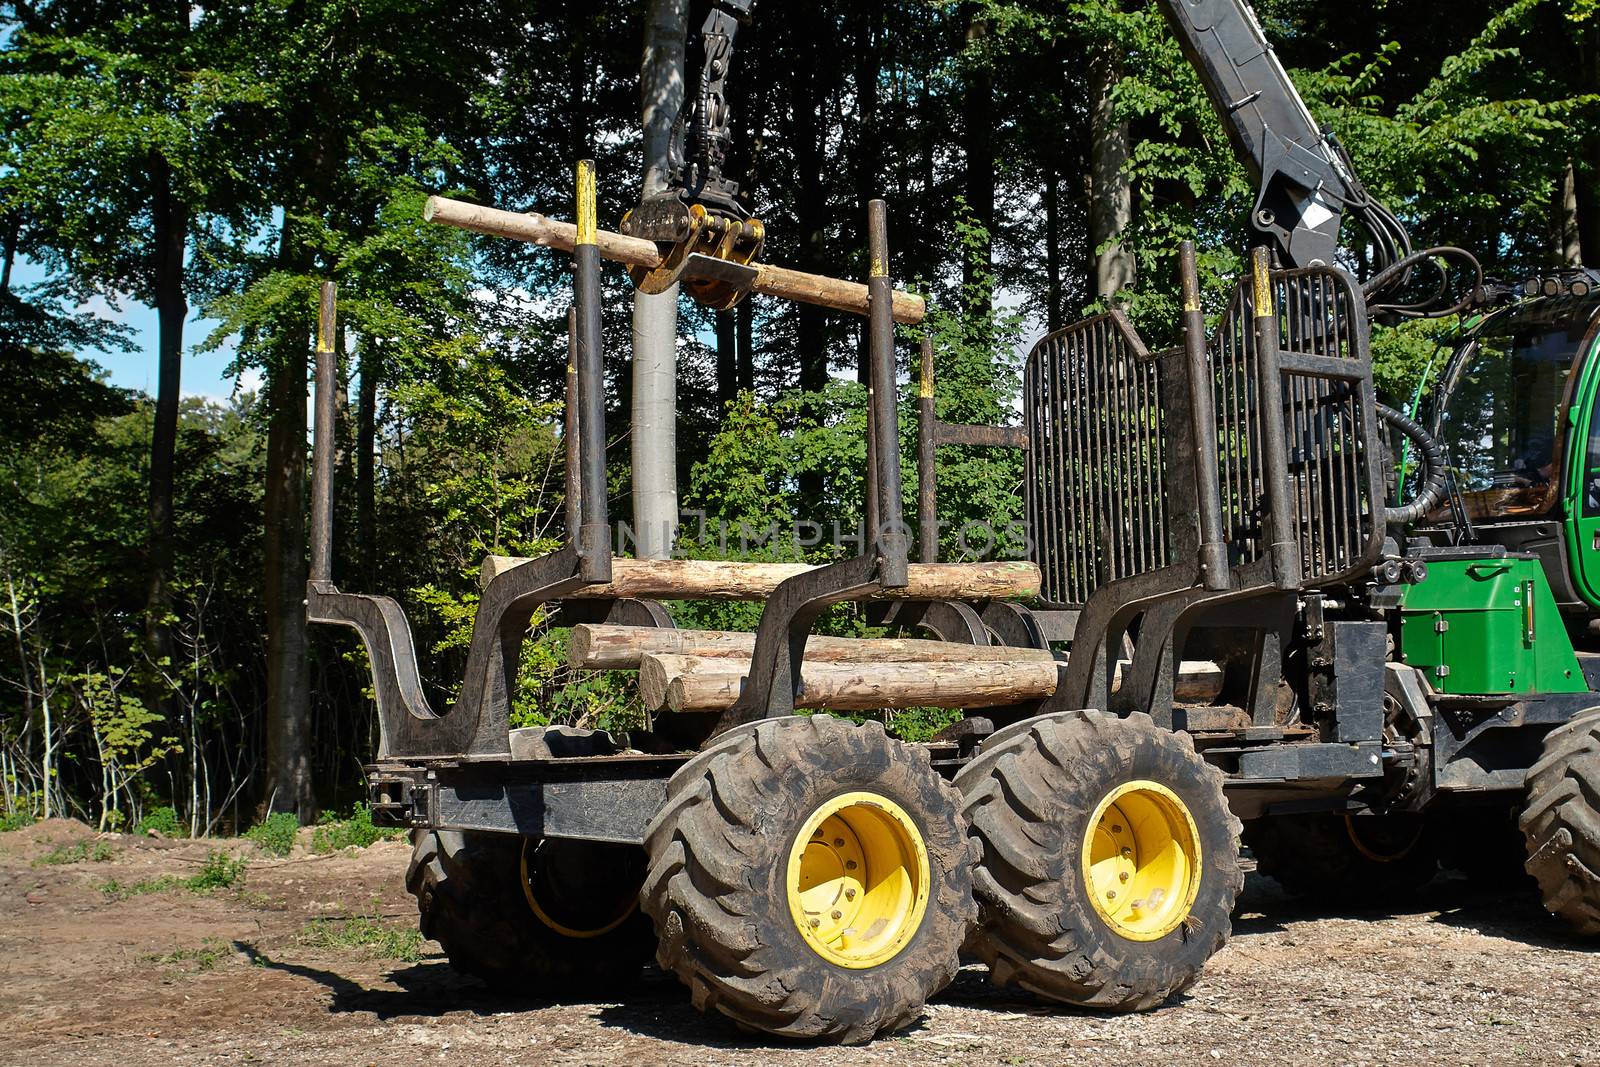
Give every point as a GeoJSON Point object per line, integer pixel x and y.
{"type": "Point", "coordinates": [77, 852]}
{"type": "Point", "coordinates": [354, 830]}
{"type": "Point", "coordinates": [15, 820]}
{"type": "Point", "coordinates": [275, 833]}
{"type": "Point", "coordinates": [163, 820]}
{"type": "Point", "coordinates": [219, 871]}
{"type": "Point", "coordinates": [368, 935]}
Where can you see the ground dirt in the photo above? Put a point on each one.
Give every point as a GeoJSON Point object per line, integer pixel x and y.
{"type": "Point", "coordinates": [174, 976]}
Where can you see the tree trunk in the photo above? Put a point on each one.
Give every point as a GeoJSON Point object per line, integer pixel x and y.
{"type": "Point", "coordinates": [1110, 194]}
{"type": "Point", "coordinates": [977, 126]}
{"type": "Point", "coordinates": [727, 329]}
{"type": "Point", "coordinates": [288, 785]}
{"type": "Point", "coordinates": [1565, 242]}
{"type": "Point", "coordinates": [1052, 248]}
{"type": "Point", "coordinates": [655, 317]}
{"type": "Point", "coordinates": [747, 345]}
{"type": "Point", "coordinates": [366, 442]}
{"type": "Point", "coordinates": [171, 229]}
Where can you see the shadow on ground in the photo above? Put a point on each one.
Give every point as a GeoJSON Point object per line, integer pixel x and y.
{"type": "Point", "coordinates": [658, 1005]}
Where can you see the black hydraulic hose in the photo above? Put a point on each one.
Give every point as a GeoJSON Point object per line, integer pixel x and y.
{"type": "Point", "coordinates": [1433, 482]}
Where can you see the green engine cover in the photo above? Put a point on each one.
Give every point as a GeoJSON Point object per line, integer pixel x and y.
{"type": "Point", "coordinates": [1488, 626]}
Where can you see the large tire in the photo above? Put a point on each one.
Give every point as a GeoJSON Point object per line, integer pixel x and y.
{"type": "Point", "coordinates": [737, 828]}
{"type": "Point", "coordinates": [1350, 861]}
{"type": "Point", "coordinates": [1033, 797]}
{"type": "Point", "coordinates": [1562, 822]}
{"type": "Point", "coordinates": [477, 895]}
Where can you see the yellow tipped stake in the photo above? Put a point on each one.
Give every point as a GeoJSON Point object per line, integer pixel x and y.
{"type": "Point", "coordinates": [594, 536]}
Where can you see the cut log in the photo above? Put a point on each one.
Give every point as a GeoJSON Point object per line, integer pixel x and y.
{"type": "Point", "coordinates": [602, 647]}
{"type": "Point", "coordinates": [782, 282]}
{"type": "Point", "coordinates": [695, 579]}
{"type": "Point", "coordinates": [696, 683]}
{"type": "Point", "coordinates": [713, 683]}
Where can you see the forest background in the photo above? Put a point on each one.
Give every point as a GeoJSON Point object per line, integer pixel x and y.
{"type": "Point", "coordinates": [217, 162]}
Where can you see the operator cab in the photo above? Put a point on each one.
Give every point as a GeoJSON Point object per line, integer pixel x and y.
{"type": "Point", "coordinates": [1517, 414]}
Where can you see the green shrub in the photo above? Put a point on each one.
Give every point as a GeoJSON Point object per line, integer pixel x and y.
{"type": "Point", "coordinates": [334, 833]}
{"type": "Point", "coordinates": [275, 834]}
{"type": "Point", "coordinates": [163, 820]}
{"type": "Point", "coordinates": [220, 871]}
{"type": "Point", "coordinates": [15, 820]}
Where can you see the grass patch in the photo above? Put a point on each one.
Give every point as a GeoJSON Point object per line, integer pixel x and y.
{"type": "Point", "coordinates": [163, 821]}
{"type": "Point", "coordinates": [274, 834]}
{"type": "Point", "coordinates": [77, 852]}
{"type": "Point", "coordinates": [220, 871]}
{"type": "Point", "coordinates": [195, 960]}
{"type": "Point", "coordinates": [366, 934]}
{"type": "Point", "coordinates": [16, 820]}
{"type": "Point", "coordinates": [334, 833]}
{"type": "Point", "coordinates": [112, 889]}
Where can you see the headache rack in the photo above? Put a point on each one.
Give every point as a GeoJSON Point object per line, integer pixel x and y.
{"type": "Point", "coordinates": [1218, 470]}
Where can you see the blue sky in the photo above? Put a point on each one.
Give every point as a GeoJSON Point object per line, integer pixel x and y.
{"type": "Point", "coordinates": [204, 373]}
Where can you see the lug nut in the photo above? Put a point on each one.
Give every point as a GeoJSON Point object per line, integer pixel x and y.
{"type": "Point", "coordinates": [849, 865]}
{"type": "Point", "coordinates": [816, 923]}
{"type": "Point", "coordinates": [1111, 894]}
{"type": "Point", "coordinates": [838, 842]}
{"type": "Point", "coordinates": [838, 914]}
{"type": "Point", "coordinates": [1116, 828]}
{"type": "Point", "coordinates": [1123, 876]}
{"type": "Point", "coordinates": [849, 894]}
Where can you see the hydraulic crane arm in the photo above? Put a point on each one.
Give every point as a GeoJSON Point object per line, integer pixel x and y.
{"type": "Point", "coordinates": [1304, 180]}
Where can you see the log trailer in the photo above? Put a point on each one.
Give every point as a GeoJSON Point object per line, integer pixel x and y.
{"type": "Point", "coordinates": [1223, 628]}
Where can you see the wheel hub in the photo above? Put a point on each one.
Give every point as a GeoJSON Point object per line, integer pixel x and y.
{"type": "Point", "coordinates": [1141, 860]}
{"type": "Point", "coordinates": [858, 880]}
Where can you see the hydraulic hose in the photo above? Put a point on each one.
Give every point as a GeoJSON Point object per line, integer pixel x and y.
{"type": "Point", "coordinates": [1433, 484]}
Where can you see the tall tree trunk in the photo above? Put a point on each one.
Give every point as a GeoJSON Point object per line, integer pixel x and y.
{"type": "Point", "coordinates": [1110, 194]}
{"type": "Point", "coordinates": [655, 317]}
{"type": "Point", "coordinates": [977, 137]}
{"type": "Point", "coordinates": [1586, 172]}
{"type": "Point", "coordinates": [1052, 248]}
{"type": "Point", "coordinates": [171, 229]}
{"type": "Point", "coordinates": [366, 442]}
{"type": "Point", "coordinates": [727, 330]}
{"type": "Point", "coordinates": [288, 785]}
{"type": "Point", "coordinates": [1566, 243]}
{"type": "Point", "coordinates": [747, 345]}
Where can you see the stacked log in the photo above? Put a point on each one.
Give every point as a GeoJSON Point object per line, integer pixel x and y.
{"type": "Point", "coordinates": [704, 670]}
{"type": "Point", "coordinates": [699, 579]}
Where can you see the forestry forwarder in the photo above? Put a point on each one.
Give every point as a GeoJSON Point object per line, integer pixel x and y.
{"type": "Point", "coordinates": [1221, 620]}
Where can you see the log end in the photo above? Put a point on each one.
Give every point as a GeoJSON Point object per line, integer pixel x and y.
{"type": "Point", "coordinates": [654, 682]}
{"type": "Point", "coordinates": [430, 207]}
{"type": "Point", "coordinates": [580, 646]}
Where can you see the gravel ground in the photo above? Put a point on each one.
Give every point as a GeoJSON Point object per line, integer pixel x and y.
{"type": "Point", "coordinates": [247, 975]}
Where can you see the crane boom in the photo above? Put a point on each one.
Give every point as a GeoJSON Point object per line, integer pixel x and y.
{"type": "Point", "coordinates": [1304, 179]}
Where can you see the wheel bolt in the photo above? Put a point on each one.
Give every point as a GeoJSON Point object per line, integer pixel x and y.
{"type": "Point", "coordinates": [849, 894]}
{"type": "Point", "coordinates": [1123, 876]}
{"type": "Point", "coordinates": [838, 842]}
{"type": "Point", "coordinates": [816, 923]}
{"type": "Point", "coordinates": [1111, 894]}
{"type": "Point", "coordinates": [849, 865]}
{"type": "Point", "coordinates": [1116, 828]}
{"type": "Point", "coordinates": [1127, 853]}
{"type": "Point", "coordinates": [838, 914]}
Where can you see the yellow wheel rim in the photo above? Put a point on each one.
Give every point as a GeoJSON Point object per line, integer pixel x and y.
{"type": "Point", "coordinates": [858, 880]}
{"type": "Point", "coordinates": [1141, 860]}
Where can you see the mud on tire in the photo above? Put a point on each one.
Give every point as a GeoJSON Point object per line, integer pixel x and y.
{"type": "Point", "coordinates": [718, 883]}
{"type": "Point", "coordinates": [1562, 822]}
{"type": "Point", "coordinates": [1029, 798]}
